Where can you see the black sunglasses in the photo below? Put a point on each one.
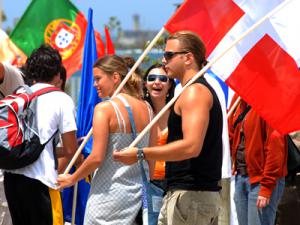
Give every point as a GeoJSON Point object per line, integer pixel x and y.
{"type": "Point", "coordinates": [153, 77]}
{"type": "Point", "coordinates": [170, 55]}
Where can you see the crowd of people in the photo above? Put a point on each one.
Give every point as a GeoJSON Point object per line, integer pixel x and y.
{"type": "Point", "coordinates": [182, 153]}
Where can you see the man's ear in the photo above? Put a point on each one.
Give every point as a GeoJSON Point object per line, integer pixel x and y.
{"type": "Point", "coordinates": [189, 58]}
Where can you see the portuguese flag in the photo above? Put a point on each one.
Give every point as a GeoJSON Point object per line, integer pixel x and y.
{"type": "Point", "coordinates": [57, 23]}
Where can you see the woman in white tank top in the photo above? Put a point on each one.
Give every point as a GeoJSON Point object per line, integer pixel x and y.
{"type": "Point", "coordinates": [116, 189]}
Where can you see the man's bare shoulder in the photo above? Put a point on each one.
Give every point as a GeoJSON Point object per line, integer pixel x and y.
{"type": "Point", "coordinates": [195, 93]}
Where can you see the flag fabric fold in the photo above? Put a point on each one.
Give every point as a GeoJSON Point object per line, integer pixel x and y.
{"type": "Point", "coordinates": [263, 68]}
{"type": "Point", "coordinates": [110, 49]}
{"type": "Point", "coordinates": [87, 101]}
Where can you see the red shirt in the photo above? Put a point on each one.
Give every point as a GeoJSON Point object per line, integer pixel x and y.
{"type": "Point", "coordinates": [265, 149]}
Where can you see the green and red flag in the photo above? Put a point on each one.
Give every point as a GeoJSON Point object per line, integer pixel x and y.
{"type": "Point", "coordinates": [57, 23]}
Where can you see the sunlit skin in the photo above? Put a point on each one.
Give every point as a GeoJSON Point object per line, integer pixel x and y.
{"type": "Point", "coordinates": [158, 90]}
{"type": "Point", "coordinates": [158, 93]}
{"type": "Point", "coordinates": [172, 67]}
{"type": "Point", "coordinates": [194, 119]}
{"type": "Point", "coordinates": [106, 122]}
{"type": "Point", "coordinates": [104, 83]}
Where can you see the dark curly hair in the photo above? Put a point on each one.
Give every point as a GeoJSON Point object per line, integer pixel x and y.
{"type": "Point", "coordinates": [63, 77]}
{"type": "Point", "coordinates": [43, 65]}
{"type": "Point", "coordinates": [170, 91]}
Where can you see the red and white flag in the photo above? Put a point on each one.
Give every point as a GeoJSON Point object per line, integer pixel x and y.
{"type": "Point", "coordinates": [211, 19]}
{"type": "Point", "coordinates": [263, 68]}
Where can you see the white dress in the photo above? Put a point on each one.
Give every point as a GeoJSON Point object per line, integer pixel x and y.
{"type": "Point", "coordinates": [116, 189]}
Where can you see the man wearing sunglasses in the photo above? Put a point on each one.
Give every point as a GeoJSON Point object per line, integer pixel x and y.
{"type": "Point", "coordinates": [193, 152]}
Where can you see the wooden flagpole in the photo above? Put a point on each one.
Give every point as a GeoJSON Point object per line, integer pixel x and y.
{"type": "Point", "coordinates": [138, 62]}
{"type": "Point", "coordinates": [204, 69]}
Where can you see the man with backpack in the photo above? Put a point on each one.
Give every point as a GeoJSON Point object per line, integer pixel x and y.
{"type": "Point", "coordinates": [10, 79]}
{"type": "Point", "coordinates": [31, 191]}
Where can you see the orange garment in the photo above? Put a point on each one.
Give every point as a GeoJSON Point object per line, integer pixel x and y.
{"type": "Point", "coordinates": [265, 149]}
{"type": "Point", "coordinates": [159, 169]}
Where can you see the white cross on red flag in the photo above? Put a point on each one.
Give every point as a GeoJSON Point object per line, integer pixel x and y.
{"type": "Point", "coordinates": [263, 68]}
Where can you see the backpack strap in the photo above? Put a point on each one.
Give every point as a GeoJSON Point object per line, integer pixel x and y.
{"type": "Point", "coordinates": [39, 93]}
{"type": "Point", "coordinates": [242, 116]}
{"type": "Point", "coordinates": [44, 91]}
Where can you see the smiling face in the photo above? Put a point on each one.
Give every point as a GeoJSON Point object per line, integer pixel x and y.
{"type": "Point", "coordinates": [157, 84]}
{"type": "Point", "coordinates": [104, 83]}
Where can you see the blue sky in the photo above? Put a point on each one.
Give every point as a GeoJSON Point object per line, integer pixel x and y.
{"type": "Point", "coordinates": [153, 13]}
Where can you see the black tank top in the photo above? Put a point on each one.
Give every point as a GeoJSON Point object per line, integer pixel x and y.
{"type": "Point", "coordinates": [203, 172]}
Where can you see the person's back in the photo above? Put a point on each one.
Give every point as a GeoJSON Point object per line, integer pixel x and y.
{"type": "Point", "coordinates": [114, 182]}
{"type": "Point", "coordinates": [38, 201]}
{"type": "Point", "coordinates": [10, 79]}
{"type": "Point", "coordinates": [116, 189]}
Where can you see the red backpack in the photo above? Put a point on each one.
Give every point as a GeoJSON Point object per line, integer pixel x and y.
{"type": "Point", "coordinates": [19, 140]}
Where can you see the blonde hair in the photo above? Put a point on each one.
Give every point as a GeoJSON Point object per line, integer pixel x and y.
{"type": "Point", "coordinates": [112, 63]}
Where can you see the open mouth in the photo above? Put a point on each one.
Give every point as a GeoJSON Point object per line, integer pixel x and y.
{"type": "Point", "coordinates": [157, 89]}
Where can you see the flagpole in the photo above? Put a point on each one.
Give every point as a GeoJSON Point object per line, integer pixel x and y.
{"type": "Point", "coordinates": [203, 70]}
{"type": "Point", "coordinates": [233, 106]}
{"type": "Point", "coordinates": [137, 63]}
{"type": "Point", "coordinates": [1, 13]}
{"type": "Point", "coordinates": [75, 190]}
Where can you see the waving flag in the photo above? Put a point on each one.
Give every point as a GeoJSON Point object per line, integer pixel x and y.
{"type": "Point", "coordinates": [110, 49]}
{"type": "Point", "coordinates": [88, 98]}
{"type": "Point", "coordinates": [263, 67]}
{"type": "Point", "coordinates": [57, 23]}
{"type": "Point", "coordinates": [211, 19]}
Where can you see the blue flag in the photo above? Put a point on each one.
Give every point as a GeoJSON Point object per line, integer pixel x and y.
{"type": "Point", "coordinates": [88, 98]}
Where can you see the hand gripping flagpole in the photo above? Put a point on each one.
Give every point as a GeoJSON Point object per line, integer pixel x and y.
{"type": "Point", "coordinates": [204, 69]}
{"type": "Point", "coordinates": [138, 62]}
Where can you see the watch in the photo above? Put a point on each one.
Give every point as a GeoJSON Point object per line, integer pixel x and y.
{"type": "Point", "coordinates": [140, 154]}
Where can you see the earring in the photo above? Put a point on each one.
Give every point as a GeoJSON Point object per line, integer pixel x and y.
{"type": "Point", "coordinates": [147, 94]}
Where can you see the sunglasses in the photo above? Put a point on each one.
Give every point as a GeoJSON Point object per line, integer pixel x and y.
{"type": "Point", "coordinates": [153, 77]}
{"type": "Point", "coordinates": [170, 55]}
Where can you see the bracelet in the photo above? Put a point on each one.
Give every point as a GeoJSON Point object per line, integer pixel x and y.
{"type": "Point", "coordinates": [140, 154]}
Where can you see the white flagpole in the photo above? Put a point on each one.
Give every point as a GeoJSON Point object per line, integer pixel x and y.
{"type": "Point", "coordinates": [233, 106]}
{"type": "Point", "coordinates": [138, 62]}
{"type": "Point", "coordinates": [74, 203]}
{"type": "Point", "coordinates": [204, 69]}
